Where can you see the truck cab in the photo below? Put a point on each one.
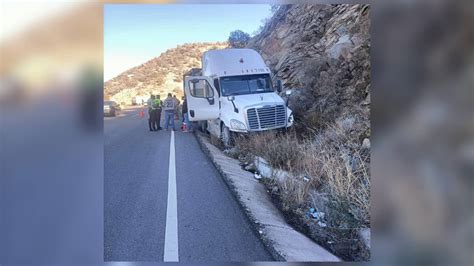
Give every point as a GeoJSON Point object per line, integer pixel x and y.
{"type": "Point", "coordinates": [234, 94]}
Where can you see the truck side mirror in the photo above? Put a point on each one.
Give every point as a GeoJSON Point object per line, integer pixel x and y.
{"type": "Point", "coordinates": [278, 85]}
{"type": "Point", "coordinates": [231, 99]}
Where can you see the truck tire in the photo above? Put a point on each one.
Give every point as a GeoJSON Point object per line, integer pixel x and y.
{"type": "Point", "coordinates": [203, 126]}
{"type": "Point", "coordinates": [227, 136]}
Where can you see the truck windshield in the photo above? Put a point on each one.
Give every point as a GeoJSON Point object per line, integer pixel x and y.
{"type": "Point", "coordinates": [248, 84]}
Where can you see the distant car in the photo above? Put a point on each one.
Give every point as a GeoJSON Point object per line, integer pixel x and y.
{"type": "Point", "coordinates": [111, 108]}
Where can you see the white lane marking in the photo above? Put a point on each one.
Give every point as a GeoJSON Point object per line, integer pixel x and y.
{"type": "Point", "coordinates": [171, 230]}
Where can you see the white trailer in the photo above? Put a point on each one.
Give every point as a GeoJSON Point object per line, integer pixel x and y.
{"type": "Point", "coordinates": [235, 94]}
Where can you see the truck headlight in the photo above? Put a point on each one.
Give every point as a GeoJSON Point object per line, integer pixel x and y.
{"type": "Point", "coordinates": [290, 119]}
{"type": "Point", "coordinates": [237, 125]}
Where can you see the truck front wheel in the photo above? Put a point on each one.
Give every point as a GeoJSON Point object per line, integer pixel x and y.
{"type": "Point", "coordinates": [203, 126]}
{"type": "Point", "coordinates": [227, 136]}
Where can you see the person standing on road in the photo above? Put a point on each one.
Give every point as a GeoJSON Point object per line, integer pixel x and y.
{"type": "Point", "coordinates": [184, 110]}
{"type": "Point", "coordinates": [182, 113]}
{"type": "Point", "coordinates": [169, 105]}
{"type": "Point", "coordinates": [176, 100]}
{"type": "Point", "coordinates": [157, 107]}
{"type": "Point", "coordinates": [177, 115]}
{"type": "Point", "coordinates": [151, 114]}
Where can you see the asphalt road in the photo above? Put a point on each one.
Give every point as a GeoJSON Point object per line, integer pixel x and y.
{"type": "Point", "coordinates": [210, 224]}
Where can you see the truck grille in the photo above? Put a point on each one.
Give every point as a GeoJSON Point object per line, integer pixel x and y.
{"type": "Point", "coordinates": [266, 117]}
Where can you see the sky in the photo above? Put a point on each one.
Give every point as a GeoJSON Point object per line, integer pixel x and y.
{"type": "Point", "coordinates": [134, 34]}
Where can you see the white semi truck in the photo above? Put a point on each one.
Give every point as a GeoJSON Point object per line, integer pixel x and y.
{"type": "Point", "coordinates": [234, 94]}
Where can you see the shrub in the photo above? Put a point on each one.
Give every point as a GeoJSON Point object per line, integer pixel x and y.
{"type": "Point", "coordinates": [281, 151]}
{"type": "Point", "coordinates": [339, 164]}
{"type": "Point", "coordinates": [238, 39]}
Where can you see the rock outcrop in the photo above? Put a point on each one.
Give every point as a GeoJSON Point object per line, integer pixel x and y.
{"type": "Point", "coordinates": [160, 75]}
{"type": "Point", "coordinates": [322, 52]}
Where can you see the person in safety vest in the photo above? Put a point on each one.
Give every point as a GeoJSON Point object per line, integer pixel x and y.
{"type": "Point", "coordinates": [157, 106]}
{"type": "Point", "coordinates": [152, 114]}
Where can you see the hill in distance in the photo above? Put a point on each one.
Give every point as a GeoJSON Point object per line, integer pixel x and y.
{"type": "Point", "coordinates": [160, 75]}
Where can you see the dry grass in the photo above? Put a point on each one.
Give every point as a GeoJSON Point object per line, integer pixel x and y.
{"type": "Point", "coordinates": [332, 162]}
{"type": "Point", "coordinates": [342, 166]}
{"type": "Point", "coordinates": [295, 191]}
{"type": "Point", "coordinates": [280, 150]}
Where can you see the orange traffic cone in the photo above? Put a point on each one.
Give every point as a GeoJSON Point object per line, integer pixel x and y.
{"type": "Point", "coordinates": [142, 113]}
{"type": "Point", "coordinates": [184, 128]}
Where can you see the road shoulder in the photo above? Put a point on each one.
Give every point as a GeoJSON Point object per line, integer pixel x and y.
{"type": "Point", "coordinates": [281, 239]}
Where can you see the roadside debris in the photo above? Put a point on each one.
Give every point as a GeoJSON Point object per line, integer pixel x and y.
{"type": "Point", "coordinates": [275, 189]}
{"type": "Point", "coordinates": [322, 224]}
{"type": "Point", "coordinates": [318, 216]}
{"type": "Point", "coordinates": [266, 170]}
{"type": "Point", "coordinates": [366, 144]}
{"type": "Point", "coordinates": [257, 176]}
{"type": "Point", "coordinates": [365, 236]}
{"type": "Point", "coordinates": [250, 168]}
{"type": "Point", "coordinates": [231, 151]}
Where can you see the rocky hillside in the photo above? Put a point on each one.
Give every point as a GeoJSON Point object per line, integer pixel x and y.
{"type": "Point", "coordinates": [160, 75]}
{"type": "Point", "coordinates": [322, 51]}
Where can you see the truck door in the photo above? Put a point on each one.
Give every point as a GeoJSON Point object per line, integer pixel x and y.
{"type": "Point", "coordinates": [202, 98]}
